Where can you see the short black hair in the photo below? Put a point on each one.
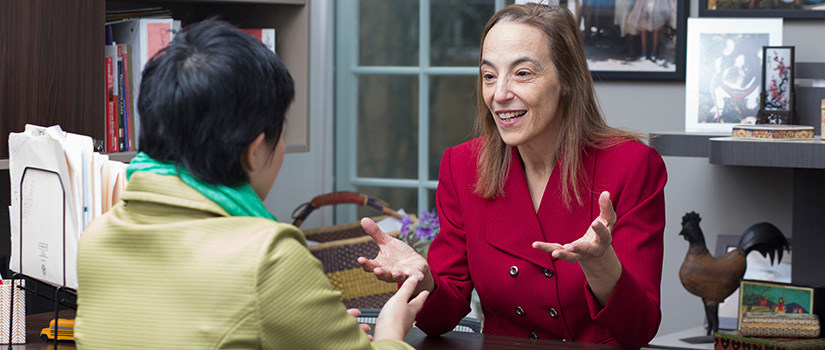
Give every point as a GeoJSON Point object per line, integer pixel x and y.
{"type": "Point", "coordinates": [205, 97]}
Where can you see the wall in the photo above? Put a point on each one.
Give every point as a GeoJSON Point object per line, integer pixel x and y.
{"type": "Point", "coordinates": [308, 174]}
{"type": "Point", "coordinates": [729, 199]}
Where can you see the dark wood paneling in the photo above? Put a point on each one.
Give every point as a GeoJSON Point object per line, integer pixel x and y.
{"type": "Point", "coordinates": [51, 64]}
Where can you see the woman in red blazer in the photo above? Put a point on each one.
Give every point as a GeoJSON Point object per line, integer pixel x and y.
{"type": "Point", "coordinates": [555, 218]}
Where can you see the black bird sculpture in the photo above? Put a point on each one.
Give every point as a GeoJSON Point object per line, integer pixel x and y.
{"type": "Point", "coordinates": [715, 278]}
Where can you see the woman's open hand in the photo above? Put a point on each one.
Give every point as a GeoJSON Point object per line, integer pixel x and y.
{"type": "Point", "coordinates": [396, 261]}
{"type": "Point", "coordinates": [593, 252]}
{"type": "Point", "coordinates": [593, 244]}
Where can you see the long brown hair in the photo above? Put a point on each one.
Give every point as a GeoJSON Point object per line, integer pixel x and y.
{"type": "Point", "coordinates": [582, 123]}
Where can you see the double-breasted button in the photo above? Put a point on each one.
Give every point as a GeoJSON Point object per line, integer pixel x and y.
{"type": "Point", "coordinates": [513, 271]}
{"type": "Point", "coordinates": [553, 313]}
{"type": "Point", "coordinates": [548, 273]}
{"type": "Point", "coordinates": [563, 339]}
{"type": "Point", "coordinates": [533, 335]}
{"type": "Point", "coordinates": [519, 310]}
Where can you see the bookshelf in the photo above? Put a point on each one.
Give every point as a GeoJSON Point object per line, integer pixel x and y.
{"type": "Point", "coordinates": [52, 67]}
{"type": "Point", "coordinates": [54, 73]}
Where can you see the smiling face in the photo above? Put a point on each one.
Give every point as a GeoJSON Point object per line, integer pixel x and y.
{"type": "Point", "coordinates": [520, 85]}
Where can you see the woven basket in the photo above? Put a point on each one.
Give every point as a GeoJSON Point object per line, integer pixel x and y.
{"type": "Point", "coordinates": [340, 246]}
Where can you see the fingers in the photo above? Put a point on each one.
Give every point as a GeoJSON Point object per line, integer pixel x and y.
{"type": "Point", "coordinates": [407, 288]}
{"type": "Point", "coordinates": [365, 327]}
{"type": "Point", "coordinates": [354, 312]}
{"type": "Point", "coordinates": [606, 212]}
{"type": "Point", "coordinates": [380, 237]}
{"type": "Point", "coordinates": [547, 247]}
{"type": "Point", "coordinates": [418, 302]}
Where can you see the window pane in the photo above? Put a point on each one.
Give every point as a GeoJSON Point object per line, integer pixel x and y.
{"type": "Point", "coordinates": [431, 196]}
{"type": "Point", "coordinates": [452, 110]}
{"type": "Point", "coordinates": [397, 198]}
{"type": "Point", "coordinates": [388, 33]}
{"type": "Point", "coordinates": [455, 30]}
{"type": "Point", "coordinates": [388, 126]}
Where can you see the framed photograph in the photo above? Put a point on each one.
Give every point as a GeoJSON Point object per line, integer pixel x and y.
{"type": "Point", "coordinates": [758, 296]}
{"type": "Point", "coordinates": [777, 85]}
{"type": "Point", "coordinates": [762, 8]}
{"type": "Point", "coordinates": [633, 39]}
{"type": "Point", "coordinates": [759, 268]}
{"type": "Point", "coordinates": [724, 71]}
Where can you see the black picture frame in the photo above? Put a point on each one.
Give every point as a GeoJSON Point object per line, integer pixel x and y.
{"type": "Point", "coordinates": [776, 105]}
{"type": "Point", "coordinates": [779, 8]}
{"type": "Point", "coordinates": [613, 50]}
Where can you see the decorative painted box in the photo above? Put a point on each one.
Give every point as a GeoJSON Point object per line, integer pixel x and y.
{"type": "Point", "coordinates": [774, 131]}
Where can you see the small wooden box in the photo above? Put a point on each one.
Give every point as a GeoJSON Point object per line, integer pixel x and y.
{"type": "Point", "coordinates": [732, 340]}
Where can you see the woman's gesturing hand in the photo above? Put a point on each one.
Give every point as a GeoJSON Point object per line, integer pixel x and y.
{"type": "Point", "coordinates": [397, 315]}
{"type": "Point", "coordinates": [593, 244]}
{"type": "Point", "coordinates": [396, 261]}
{"type": "Point", "coordinates": [593, 252]}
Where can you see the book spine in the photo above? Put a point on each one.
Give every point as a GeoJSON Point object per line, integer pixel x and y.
{"type": "Point", "coordinates": [126, 92]}
{"type": "Point", "coordinates": [121, 110]}
{"type": "Point", "coordinates": [111, 125]}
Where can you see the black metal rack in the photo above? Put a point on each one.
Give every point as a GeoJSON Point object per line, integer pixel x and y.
{"type": "Point", "coordinates": [61, 292]}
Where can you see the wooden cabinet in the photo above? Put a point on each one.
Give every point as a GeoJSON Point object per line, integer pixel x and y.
{"type": "Point", "coordinates": [51, 58]}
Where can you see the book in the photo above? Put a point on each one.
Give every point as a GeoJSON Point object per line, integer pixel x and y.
{"type": "Point", "coordinates": [111, 99]}
{"type": "Point", "coordinates": [265, 35]}
{"type": "Point", "coordinates": [774, 131]}
{"type": "Point", "coordinates": [124, 52]}
{"type": "Point", "coordinates": [121, 108]}
{"type": "Point", "coordinates": [732, 340]}
{"type": "Point", "coordinates": [146, 37]}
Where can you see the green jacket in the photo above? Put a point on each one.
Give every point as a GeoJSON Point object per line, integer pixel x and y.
{"type": "Point", "coordinates": [168, 268]}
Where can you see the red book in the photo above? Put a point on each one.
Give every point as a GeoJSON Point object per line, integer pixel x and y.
{"type": "Point", "coordinates": [111, 113]}
{"type": "Point", "coordinates": [265, 35]}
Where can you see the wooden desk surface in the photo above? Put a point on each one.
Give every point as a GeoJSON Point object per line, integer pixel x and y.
{"type": "Point", "coordinates": [416, 338]}
{"type": "Point", "coordinates": [475, 341]}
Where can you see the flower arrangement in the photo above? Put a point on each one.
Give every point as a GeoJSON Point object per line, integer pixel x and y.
{"type": "Point", "coordinates": [419, 234]}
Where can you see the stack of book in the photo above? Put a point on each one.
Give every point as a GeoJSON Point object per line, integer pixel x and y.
{"type": "Point", "coordinates": [133, 37]}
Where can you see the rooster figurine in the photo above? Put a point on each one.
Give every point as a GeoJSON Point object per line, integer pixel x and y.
{"type": "Point", "coordinates": [715, 278]}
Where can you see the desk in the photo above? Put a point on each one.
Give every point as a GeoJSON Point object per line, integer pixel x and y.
{"type": "Point", "coordinates": [475, 341]}
{"type": "Point", "coordinates": [416, 338]}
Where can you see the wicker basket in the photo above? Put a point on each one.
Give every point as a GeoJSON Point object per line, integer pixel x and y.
{"type": "Point", "coordinates": [340, 246]}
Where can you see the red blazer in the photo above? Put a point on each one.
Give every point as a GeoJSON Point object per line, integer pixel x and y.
{"type": "Point", "coordinates": [486, 244]}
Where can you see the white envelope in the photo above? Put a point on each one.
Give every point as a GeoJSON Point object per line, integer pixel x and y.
{"type": "Point", "coordinates": [46, 213]}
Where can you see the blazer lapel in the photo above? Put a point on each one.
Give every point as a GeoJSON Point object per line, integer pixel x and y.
{"type": "Point", "coordinates": [512, 222]}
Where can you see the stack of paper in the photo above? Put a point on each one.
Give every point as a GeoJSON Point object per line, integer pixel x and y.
{"type": "Point", "coordinates": [58, 186]}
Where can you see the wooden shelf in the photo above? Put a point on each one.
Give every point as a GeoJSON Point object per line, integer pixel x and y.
{"type": "Point", "coordinates": [803, 154]}
{"type": "Point", "coordinates": [721, 149]}
{"type": "Point", "coordinates": [682, 144]}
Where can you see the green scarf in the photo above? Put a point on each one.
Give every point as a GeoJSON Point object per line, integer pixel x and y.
{"type": "Point", "coordinates": [237, 201]}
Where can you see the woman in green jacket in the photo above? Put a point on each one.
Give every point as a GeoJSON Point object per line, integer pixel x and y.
{"type": "Point", "coordinates": [191, 258]}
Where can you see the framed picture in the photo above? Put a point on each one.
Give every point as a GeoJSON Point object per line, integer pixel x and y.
{"type": "Point", "coordinates": [633, 39]}
{"type": "Point", "coordinates": [762, 8]}
{"type": "Point", "coordinates": [759, 268]}
{"type": "Point", "coordinates": [758, 296]}
{"type": "Point", "coordinates": [777, 85]}
{"type": "Point", "coordinates": [724, 71]}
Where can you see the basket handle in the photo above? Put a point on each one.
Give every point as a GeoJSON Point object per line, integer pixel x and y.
{"type": "Point", "coordinates": [343, 197]}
